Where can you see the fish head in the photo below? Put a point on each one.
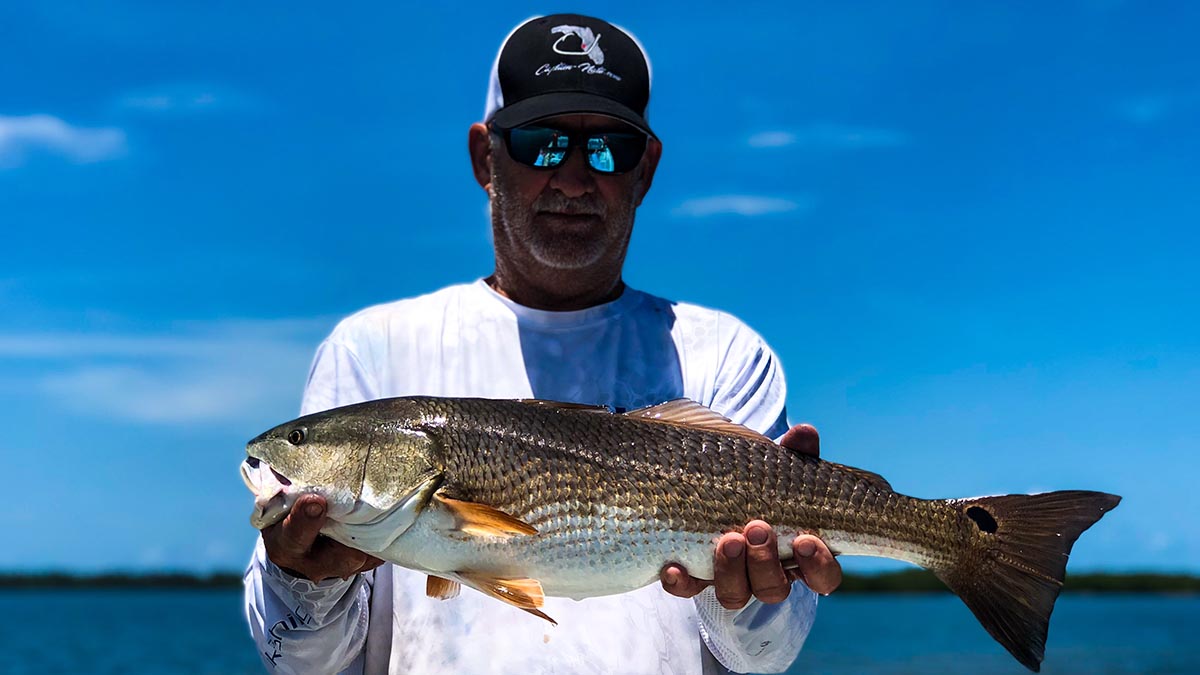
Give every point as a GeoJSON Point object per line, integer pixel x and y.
{"type": "Point", "coordinates": [363, 460]}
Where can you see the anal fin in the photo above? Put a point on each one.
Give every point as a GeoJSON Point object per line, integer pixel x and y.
{"type": "Point", "coordinates": [482, 520]}
{"type": "Point", "coordinates": [442, 589]}
{"type": "Point", "coordinates": [523, 593]}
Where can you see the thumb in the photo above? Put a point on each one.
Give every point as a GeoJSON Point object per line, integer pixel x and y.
{"type": "Point", "coordinates": [802, 438]}
{"type": "Point", "coordinates": [303, 524]}
{"type": "Point", "coordinates": [676, 581]}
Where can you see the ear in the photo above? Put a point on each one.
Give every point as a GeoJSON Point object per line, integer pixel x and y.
{"type": "Point", "coordinates": [647, 167]}
{"type": "Point", "coordinates": [479, 144]}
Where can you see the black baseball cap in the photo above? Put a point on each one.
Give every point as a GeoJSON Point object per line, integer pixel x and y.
{"type": "Point", "coordinates": [569, 63]}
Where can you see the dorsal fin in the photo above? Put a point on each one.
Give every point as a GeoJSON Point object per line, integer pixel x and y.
{"type": "Point", "coordinates": [685, 412]}
{"type": "Point", "coordinates": [584, 407]}
{"type": "Point", "coordinates": [874, 479]}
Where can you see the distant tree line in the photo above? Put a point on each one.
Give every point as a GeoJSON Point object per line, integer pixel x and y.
{"type": "Point", "coordinates": [121, 580]}
{"type": "Point", "coordinates": [906, 581]}
{"type": "Point", "coordinates": [923, 581]}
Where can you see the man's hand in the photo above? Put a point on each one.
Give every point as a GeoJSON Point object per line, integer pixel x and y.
{"type": "Point", "coordinates": [746, 564]}
{"type": "Point", "coordinates": [296, 546]}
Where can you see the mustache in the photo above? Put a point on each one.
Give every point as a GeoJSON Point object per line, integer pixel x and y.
{"type": "Point", "coordinates": [557, 202]}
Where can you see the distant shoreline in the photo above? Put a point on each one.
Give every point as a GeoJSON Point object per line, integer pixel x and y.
{"type": "Point", "coordinates": [905, 581]}
{"type": "Point", "coordinates": [120, 580]}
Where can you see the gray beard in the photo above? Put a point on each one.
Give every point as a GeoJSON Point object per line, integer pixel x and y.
{"type": "Point", "coordinates": [561, 251]}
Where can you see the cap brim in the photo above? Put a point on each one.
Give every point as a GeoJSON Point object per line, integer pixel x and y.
{"type": "Point", "coordinates": [553, 104]}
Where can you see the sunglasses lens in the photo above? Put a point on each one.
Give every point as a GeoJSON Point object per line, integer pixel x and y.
{"type": "Point", "coordinates": [543, 147]}
{"type": "Point", "coordinates": [538, 146]}
{"type": "Point", "coordinates": [615, 152]}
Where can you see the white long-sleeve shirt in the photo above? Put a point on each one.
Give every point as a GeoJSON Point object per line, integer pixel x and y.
{"type": "Point", "coordinates": [468, 340]}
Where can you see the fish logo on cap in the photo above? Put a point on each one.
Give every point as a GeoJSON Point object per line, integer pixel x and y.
{"type": "Point", "coordinates": [589, 43]}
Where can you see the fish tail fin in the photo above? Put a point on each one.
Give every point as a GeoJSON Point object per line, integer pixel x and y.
{"type": "Point", "coordinates": [1011, 580]}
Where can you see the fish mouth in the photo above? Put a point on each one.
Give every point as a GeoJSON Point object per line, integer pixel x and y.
{"type": "Point", "coordinates": [272, 498]}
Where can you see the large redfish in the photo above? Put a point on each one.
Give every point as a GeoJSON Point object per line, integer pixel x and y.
{"type": "Point", "coordinates": [523, 499]}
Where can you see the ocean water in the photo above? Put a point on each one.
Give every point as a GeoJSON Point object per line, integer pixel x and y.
{"type": "Point", "coordinates": [1089, 635]}
{"type": "Point", "coordinates": [111, 632]}
{"type": "Point", "coordinates": [147, 632]}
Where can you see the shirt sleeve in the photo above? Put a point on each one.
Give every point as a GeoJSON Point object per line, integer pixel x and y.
{"type": "Point", "coordinates": [760, 638]}
{"type": "Point", "coordinates": [336, 378]}
{"type": "Point", "coordinates": [304, 627]}
{"type": "Point", "coordinates": [300, 626]}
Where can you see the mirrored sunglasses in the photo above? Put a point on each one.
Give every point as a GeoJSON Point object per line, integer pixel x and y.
{"type": "Point", "coordinates": [607, 152]}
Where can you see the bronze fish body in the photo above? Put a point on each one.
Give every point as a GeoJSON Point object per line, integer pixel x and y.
{"type": "Point", "coordinates": [522, 499]}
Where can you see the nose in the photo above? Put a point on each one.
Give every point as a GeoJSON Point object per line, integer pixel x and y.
{"type": "Point", "coordinates": [573, 178]}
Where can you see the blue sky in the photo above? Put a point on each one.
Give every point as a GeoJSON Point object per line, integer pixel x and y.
{"type": "Point", "coordinates": [968, 230]}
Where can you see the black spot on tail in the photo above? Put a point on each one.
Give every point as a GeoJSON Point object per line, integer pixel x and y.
{"type": "Point", "coordinates": [983, 519]}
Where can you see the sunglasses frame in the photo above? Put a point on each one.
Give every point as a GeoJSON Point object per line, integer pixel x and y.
{"type": "Point", "coordinates": [574, 139]}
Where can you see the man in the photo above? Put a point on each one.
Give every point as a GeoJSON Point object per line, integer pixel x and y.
{"type": "Point", "coordinates": [566, 156]}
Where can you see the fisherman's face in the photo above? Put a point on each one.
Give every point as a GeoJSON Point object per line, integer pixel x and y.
{"type": "Point", "coordinates": [569, 217]}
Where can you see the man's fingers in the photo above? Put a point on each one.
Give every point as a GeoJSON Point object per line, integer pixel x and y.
{"type": "Point", "coordinates": [290, 543]}
{"type": "Point", "coordinates": [802, 438]}
{"type": "Point", "coordinates": [816, 565]}
{"type": "Point", "coordinates": [677, 582]}
{"type": "Point", "coordinates": [296, 545]}
{"type": "Point", "coordinates": [371, 563]}
{"type": "Point", "coordinates": [298, 531]}
{"type": "Point", "coordinates": [729, 572]}
{"type": "Point", "coordinates": [328, 559]}
{"type": "Point", "coordinates": [768, 582]}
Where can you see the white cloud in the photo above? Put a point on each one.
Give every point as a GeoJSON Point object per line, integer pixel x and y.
{"type": "Point", "coordinates": [187, 340]}
{"type": "Point", "coordinates": [20, 136]}
{"type": "Point", "coordinates": [77, 345]}
{"type": "Point", "coordinates": [187, 394]}
{"type": "Point", "coordinates": [772, 139]}
{"type": "Point", "coordinates": [166, 102]}
{"type": "Point", "coordinates": [740, 205]}
{"type": "Point", "coordinates": [823, 136]}
{"type": "Point", "coordinates": [184, 98]}
{"type": "Point", "coordinates": [228, 371]}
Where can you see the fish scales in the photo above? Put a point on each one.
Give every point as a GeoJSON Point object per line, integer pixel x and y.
{"type": "Point", "coordinates": [522, 460]}
{"type": "Point", "coordinates": [523, 498]}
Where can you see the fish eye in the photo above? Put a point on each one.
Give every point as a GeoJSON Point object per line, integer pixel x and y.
{"type": "Point", "coordinates": [296, 436]}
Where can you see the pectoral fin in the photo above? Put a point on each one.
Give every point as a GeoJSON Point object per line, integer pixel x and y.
{"type": "Point", "coordinates": [524, 593]}
{"type": "Point", "coordinates": [482, 520]}
{"type": "Point", "coordinates": [442, 589]}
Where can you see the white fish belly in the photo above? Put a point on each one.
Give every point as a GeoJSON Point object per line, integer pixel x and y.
{"type": "Point", "coordinates": [610, 550]}
{"type": "Point", "coordinates": [853, 543]}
